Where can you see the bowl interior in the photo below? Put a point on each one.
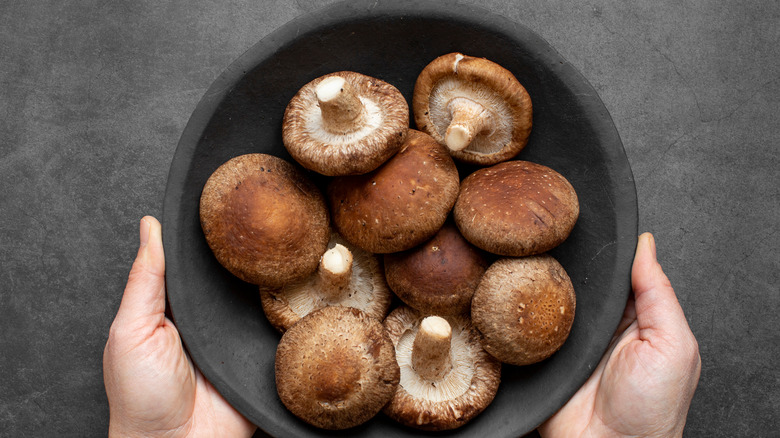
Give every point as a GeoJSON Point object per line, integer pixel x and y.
{"type": "Point", "coordinates": [220, 318]}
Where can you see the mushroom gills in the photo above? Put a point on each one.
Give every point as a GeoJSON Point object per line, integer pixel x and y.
{"type": "Point", "coordinates": [447, 376]}
{"type": "Point", "coordinates": [451, 101]}
{"type": "Point", "coordinates": [319, 128]}
{"type": "Point", "coordinates": [341, 275]}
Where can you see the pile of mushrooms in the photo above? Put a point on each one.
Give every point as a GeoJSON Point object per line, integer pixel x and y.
{"type": "Point", "coordinates": [465, 261]}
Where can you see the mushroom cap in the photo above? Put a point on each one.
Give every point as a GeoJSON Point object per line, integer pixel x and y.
{"type": "Point", "coordinates": [524, 308]}
{"type": "Point", "coordinates": [367, 291]}
{"type": "Point", "coordinates": [438, 277]}
{"type": "Point", "coordinates": [264, 220]}
{"type": "Point", "coordinates": [336, 368]}
{"type": "Point", "coordinates": [376, 140]}
{"type": "Point", "coordinates": [481, 81]}
{"type": "Point", "coordinates": [402, 203]}
{"type": "Point", "coordinates": [516, 208]}
{"type": "Point", "coordinates": [461, 395]}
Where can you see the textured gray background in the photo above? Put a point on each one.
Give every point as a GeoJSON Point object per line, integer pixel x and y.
{"type": "Point", "coordinates": [95, 94]}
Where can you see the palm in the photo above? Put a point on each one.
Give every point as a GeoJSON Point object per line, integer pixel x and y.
{"type": "Point", "coordinates": [638, 375]}
{"type": "Point", "coordinates": [167, 393]}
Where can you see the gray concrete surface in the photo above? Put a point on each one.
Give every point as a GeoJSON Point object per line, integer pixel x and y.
{"type": "Point", "coordinates": [94, 96]}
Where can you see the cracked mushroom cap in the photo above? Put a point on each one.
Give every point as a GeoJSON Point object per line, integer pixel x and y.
{"type": "Point", "coordinates": [345, 123]}
{"type": "Point", "coordinates": [336, 368]}
{"type": "Point", "coordinates": [524, 308]}
{"type": "Point", "coordinates": [516, 208]}
{"type": "Point", "coordinates": [438, 277]}
{"type": "Point", "coordinates": [474, 106]}
{"type": "Point", "coordinates": [447, 378]}
{"type": "Point", "coordinates": [346, 276]}
{"type": "Point", "coordinates": [264, 220]}
{"type": "Point", "coordinates": [402, 203]}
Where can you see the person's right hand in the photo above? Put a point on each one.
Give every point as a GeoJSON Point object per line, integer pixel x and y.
{"type": "Point", "coordinates": [644, 384]}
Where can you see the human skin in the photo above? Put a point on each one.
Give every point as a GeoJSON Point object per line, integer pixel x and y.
{"type": "Point", "coordinates": [152, 386]}
{"type": "Point", "coordinates": [644, 384]}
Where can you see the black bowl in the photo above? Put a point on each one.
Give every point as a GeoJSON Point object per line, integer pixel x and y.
{"type": "Point", "coordinates": [220, 318]}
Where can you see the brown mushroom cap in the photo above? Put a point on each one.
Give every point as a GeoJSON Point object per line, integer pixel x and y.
{"type": "Point", "coordinates": [438, 277]}
{"type": "Point", "coordinates": [354, 278]}
{"type": "Point", "coordinates": [474, 106]}
{"type": "Point", "coordinates": [516, 208]}
{"type": "Point", "coordinates": [524, 307]}
{"type": "Point", "coordinates": [345, 123]}
{"type": "Point", "coordinates": [402, 203]}
{"type": "Point", "coordinates": [336, 368]}
{"type": "Point", "coordinates": [451, 395]}
{"type": "Point", "coordinates": [264, 220]}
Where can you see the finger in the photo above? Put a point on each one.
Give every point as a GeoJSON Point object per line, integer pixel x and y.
{"type": "Point", "coordinates": [143, 302]}
{"type": "Point", "coordinates": [658, 312]}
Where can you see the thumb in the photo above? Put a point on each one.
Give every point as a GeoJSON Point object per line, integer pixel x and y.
{"type": "Point", "coordinates": [143, 302]}
{"type": "Point", "coordinates": [658, 313]}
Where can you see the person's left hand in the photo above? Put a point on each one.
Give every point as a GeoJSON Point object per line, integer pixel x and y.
{"type": "Point", "coordinates": [152, 386]}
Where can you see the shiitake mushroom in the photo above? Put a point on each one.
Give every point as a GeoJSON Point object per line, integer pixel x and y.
{"type": "Point", "coordinates": [524, 307]}
{"type": "Point", "coordinates": [476, 107]}
{"type": "Point", "coordinates": [264, 220]}
{"type": "Point", "coordinates": [345, 123]}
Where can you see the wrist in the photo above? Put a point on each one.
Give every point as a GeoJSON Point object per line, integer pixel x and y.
{"type": "Point", "coordinates": [599, 429]}
{"type": "Point", "coordinates": [646, 431]}
{"type": "Point", "coordinates": [120, 429]}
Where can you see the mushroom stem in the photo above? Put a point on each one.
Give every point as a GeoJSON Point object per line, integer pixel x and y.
{"type": "Point", "coordinates": [469, 118]}
{"type": "Point", "coordinates": [335, 270]}
{"type": "Point", "coordinates": [431, 348]}
{"type": "Point", "coordinates": [341, 107]}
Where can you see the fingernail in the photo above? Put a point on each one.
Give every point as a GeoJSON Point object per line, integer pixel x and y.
{"type": "Point", "coordinates": [145, 231]}
{"type": "Point", "coordinates": [646, 241]}
{"type": "Point", "coordinates": [651, 242]}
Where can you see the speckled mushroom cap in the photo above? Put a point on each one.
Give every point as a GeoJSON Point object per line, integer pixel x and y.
{"type": "Point", "coordinates": [516, 208]}
{"type": "Point", "coordinates": [336, 368]}
{"type": "Point", "coordinates": [474, 106]}
{"type": "Point", "coordinates": [264, 220]}
{"type": "Point", "coordinates": [524, 307]}
{"type": "Point", "coordinates": [358, 281]}
{"type": "Point", "coordinates": [345, 123]}
{"type": "Point", "coordinates": [448, 401]}
{"type": "Point", "coordinates": [402, 203]}
{"type": "Point", "coordinates": [438, 277]}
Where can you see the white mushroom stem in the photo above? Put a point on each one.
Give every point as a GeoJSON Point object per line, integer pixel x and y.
{"type": "Point", "coordinates": [342, 110]}
{"type": "Point", "coordinates": [431, 349]}
{"type": "Point", "coordinates": [335, 271]}
{"type": "Point", "coordinates": [469, 118]}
